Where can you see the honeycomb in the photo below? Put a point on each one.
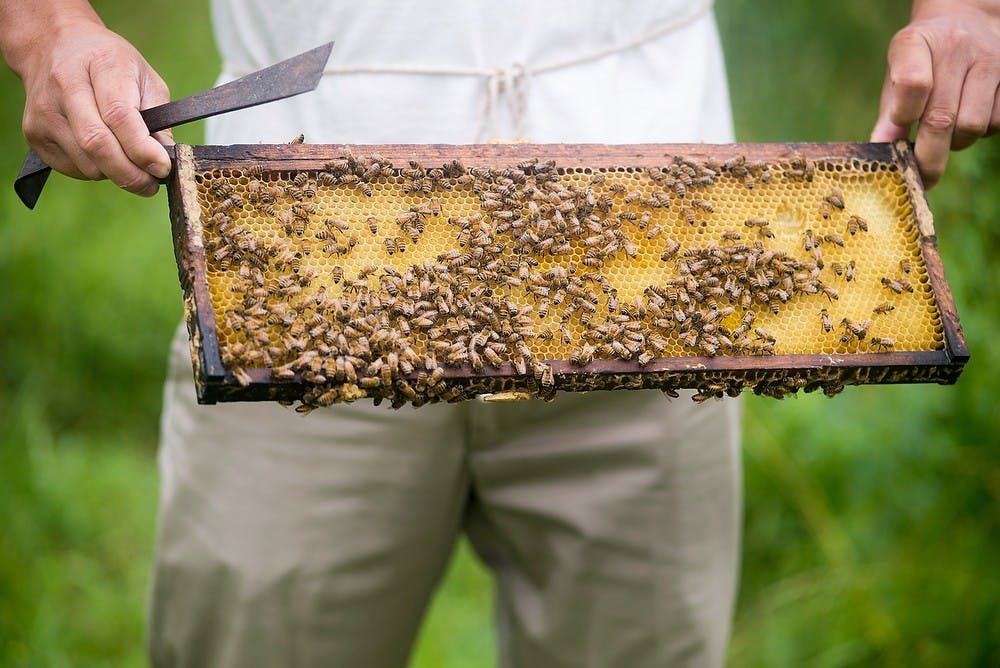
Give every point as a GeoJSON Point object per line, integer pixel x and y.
{"type": "Point", "coordinates": [371, 279]}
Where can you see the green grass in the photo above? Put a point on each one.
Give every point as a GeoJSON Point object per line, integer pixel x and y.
{"type": "Point", "coordinates": [872, 519]}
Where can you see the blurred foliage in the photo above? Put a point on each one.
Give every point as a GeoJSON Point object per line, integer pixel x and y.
{"type": "Point", "coordinates": [872, 519]}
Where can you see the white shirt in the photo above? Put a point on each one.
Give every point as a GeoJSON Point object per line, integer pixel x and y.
{"type": "Point", "coordinates": [559, 71]}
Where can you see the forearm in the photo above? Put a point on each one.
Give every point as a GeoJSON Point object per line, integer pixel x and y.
{"type": "Point", "coordinates": [25, 26]}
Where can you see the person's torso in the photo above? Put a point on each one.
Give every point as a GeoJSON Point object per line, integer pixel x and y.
{"type": "Point", "coordinates": [459, 71]}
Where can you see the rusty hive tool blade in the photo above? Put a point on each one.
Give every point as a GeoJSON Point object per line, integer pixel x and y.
{"type": "Point", "coordinates": [298, 74]}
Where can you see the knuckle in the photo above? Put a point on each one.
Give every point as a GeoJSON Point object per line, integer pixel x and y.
{"type": "Point", "coordinates": [104, 56]}
{"type": "Point", "coordinates": [64, 76]}
{"type": "Point", "coordinates": [988, 60]}
{"type": "Point", "coordinates": [116, 113]}
{"type": "Point", "coordinates": [911, 78]}
{"type": "Point", "coordinates": [906, 36]}
{"type": "Point", "coordinates": [34, 129]}
{"type": "Point", "coordinates": [94, 139]}
{"type": "Point", "coordinates": [160, 88]}
{"type": "Point", "coordinates": [939, 119]}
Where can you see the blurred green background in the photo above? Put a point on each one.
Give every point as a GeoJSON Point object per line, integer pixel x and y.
{"type": "Point", "coordinates": [872, 519]}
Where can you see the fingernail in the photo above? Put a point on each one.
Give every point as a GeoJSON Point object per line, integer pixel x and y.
{"type": "Point", "coordinates": [150, 190]}
{"type": "Point", "coordinates": [159, 169]}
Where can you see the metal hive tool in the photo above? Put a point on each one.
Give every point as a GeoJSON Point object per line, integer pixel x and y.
{"type": "Point", "coordinates": [422, 273]}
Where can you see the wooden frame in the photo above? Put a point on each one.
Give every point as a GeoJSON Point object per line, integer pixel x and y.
{"type": "Point", "coordinates": [827, 371]}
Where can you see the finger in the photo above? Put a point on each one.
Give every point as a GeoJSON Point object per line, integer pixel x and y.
{"type": "Point", "coordinates": [47, 134]}
{"type": "Point", "coordinates": [164, 137]}
{"type": "Point", "coordinates": [96, 140]}
{"type": "Point", "coordinates": [885, 130]}
{"type": "Point", "coordinates": [976, 106]}
{"type": "Point", "coordinates": [117, 94]}
{"type": "Point", "coordinates": [911, 77]}
{"type": "Point", "coordinates": [55, 157]}
{"type": "Point", "coordinates": [937, 124]}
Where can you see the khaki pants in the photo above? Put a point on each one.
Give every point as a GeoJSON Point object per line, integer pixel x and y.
{"type": "Point", "coordinates": [611, 522]}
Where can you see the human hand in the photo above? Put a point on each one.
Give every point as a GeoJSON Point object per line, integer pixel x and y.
{"type": "Point", "coordinates": [84, 88]}
{"type": "Point", "coordinates": [944, 74]}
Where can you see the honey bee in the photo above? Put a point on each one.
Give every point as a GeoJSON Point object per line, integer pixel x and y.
{"type": "Point", "coordinates": [882, 342]}
{"type": "Point", "coordinates": [231, 202]}
{"type": "Point", "coordinates": [834, 239]}
{"type": "Point", "coordinates": [851, 271]}
{"type": "Point", "coordinates": [731, 235]}
{"type": "Point", "coordinates": [613, 301]}
{"type": "Point", "coordinates": [883, 308]}
{"type": "Point", "coordinates": [583, 355]}
{"type": "Point", "coordinates": [895, 286]}
{"type": "Point", "coordinates": [818, 256]}
{"type": "Point", "coordinates": [825, 318]}
{"type": "Point", "coordinates": [856, 222]}
{"type": "Point", "coordinates": [253, 190]}
{"type": "Point", "coordinates": [367, 271]}
{"type": "Point", "coordinates": [838, 268]}
{"type": "Point", "coordinates": [830, 293]}
{"type": "Point", "coordinates": [763, 335]}
{"type": "Point", "coordinates": [493, 357]}
{"type": "Point", "coordinates": [858, 329]}
{"type": "Point", "coordinates": [905, 265]}
{"type": "Point", "coordinates": [762, 225]}
{"type": "Point", "coordinates": [546, 381]}
{"type": "Point", "coordinates": [835, 198]}
{"type": "Point", "coordinates": [336, 224]}
{"type": "Point", "coordinates": [241, 376]}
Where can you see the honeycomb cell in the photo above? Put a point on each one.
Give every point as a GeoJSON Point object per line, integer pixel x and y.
{"type": "Point", "coordinates": [512, 266]}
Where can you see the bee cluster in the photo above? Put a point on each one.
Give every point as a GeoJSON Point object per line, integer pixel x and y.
{"type": "Point", "coordinates": [530, 263]}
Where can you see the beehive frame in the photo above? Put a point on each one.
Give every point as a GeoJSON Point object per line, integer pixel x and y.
{"type": "Point", "coordinates": [713, 375]}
